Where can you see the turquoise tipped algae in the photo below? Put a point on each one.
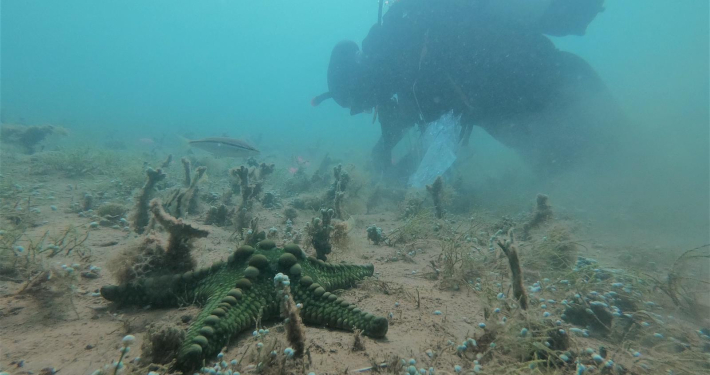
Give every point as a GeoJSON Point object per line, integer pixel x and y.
{"type": "Point", "coordinates": [234, 293]}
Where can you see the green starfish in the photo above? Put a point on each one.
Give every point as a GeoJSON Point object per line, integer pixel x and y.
{"type": "Point", "coordinates": [235, 292]}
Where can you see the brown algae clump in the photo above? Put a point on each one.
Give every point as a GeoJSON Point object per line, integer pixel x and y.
{"type": "Point", "coordinates": [151, 257]}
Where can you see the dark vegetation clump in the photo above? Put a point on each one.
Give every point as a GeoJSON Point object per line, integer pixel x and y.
{"type": "Point", "coordinates": [336, 193]}
{"type": "Point", "coordinates": [271, 200]}
{"type": "Point", "coordinates": [139, 260]}
{"type": "Point", "coordinates": [184, 201]}
{"type": "Point", "coordinates": [253, 235]}
{"type": "Point", "coordinates": [150, 257]}
{"type": "Point", "coordinates": [112, 211]}
{"type": "Point", "coordinates": [290, 213]}
{"type": "Point", "coordinates": [187, 168]}
{"type": "Point", "coordinates": [249, 193]}
{"type": "Point", "coordinates": [516, 273]}
{"type": "Point", "coordinates": [28, 137]}
{"type": "Point", "coordinates": [52, 289]}
{"type": "Point", "coordinates": [180, 239]}
{"type": "Point", "coordinates": [375, 234]}
{"type": "Point", "coordinates": [411, 205]}
{"type": "Point", "coordinates": [320, 176]}
{"type": "Point", "coordinates": [595, 317]}
{"type": "Point", "coordinates": [504, 224]}
{"type": "Point", "coordinates": [307, 202]}
{"type": "Point", "coordinates": [340, 234]}
{"type": "Point", "coordinates": [681, 284]}
{"type": "Point", "coordinates": [320, 229]}
{"type": "Point", "coordinates": [141, 214]}
{"type": "Point", "coordinates": [298, 183]}
{"type": "Point", "coordinates": [167, 162]}
{"type": "Point", "coordinates": [295, 331]}
{"type": "Point", "coordinates": [555, 342]}
{"type": "Point", "coordinates": [358, 344]}
{"type": "Point", "coordinates": [219, 216]}
{"type": "Point", "coordinates": [436, 190]}
{"type": "Point", "coordinates": [262, 171]}
{"type": "Point", "coordinates": [559, 250]}
{"type": "Point", "coordinates": [161, 343]}
{"type": "Point", "coordinates": [87, 202]}
{"type": "Point", "coordinates": [542, 214]}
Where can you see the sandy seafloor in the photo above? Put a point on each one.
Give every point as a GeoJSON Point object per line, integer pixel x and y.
{"type": "Point", "coordinates": [63, 324]}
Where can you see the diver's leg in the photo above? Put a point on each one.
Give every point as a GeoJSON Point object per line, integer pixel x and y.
{"type": "Point", "coordinates": [575, 128]}
{"type": "Point", "coordinates": [381, 156]}
{"type": "Point", "coordinates": [392, 134]}
{"type": "Point", "coordinates": [405, 167]}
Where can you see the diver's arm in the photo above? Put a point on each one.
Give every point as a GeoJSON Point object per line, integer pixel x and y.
{"type": "Point", "coordinates": [393, 128]}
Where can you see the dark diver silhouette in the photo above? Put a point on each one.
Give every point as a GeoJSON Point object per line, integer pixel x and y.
{"type": "Point", "coordinates": [490, 62]}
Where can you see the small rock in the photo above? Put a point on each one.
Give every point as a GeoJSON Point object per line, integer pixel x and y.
{"type": "Point", "coordinates": [89, 275]}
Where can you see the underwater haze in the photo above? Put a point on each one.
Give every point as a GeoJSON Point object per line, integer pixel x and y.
{"type": "Point", "coordinates": [134, 70]}
{"type": "Point", "coordinates": [201, 157]}
{"type": "Point", "coordinates": [167, 67]}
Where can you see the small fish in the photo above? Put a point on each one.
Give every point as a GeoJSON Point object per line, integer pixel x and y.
{"type": "Point", "coordinates": [301, 161]}
{"type": "Point", "coordinates": [225, 147]}
{"type": "Point", "coordinates": [146, 141]}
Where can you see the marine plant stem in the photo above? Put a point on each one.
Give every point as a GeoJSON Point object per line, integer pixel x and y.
{"type": "Point", "coordinates": [516, 273]}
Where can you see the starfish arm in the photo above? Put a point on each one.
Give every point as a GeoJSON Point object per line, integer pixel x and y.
{"type": "Point", "coordinates": [227, 312]}
{"type": "Point", "coordinates": [238, 295]}
{"type": "Point", "coordinates": [166, 291]}
{"type": "Point", "coordinates": [321, 307]}
{"type": "Point", "coordinates": [335, 276]}
{"type": "Point", "coordinates": [313, 281]}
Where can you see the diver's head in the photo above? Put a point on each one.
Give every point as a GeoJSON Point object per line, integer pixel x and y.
{"type": "Point", "coordinates": [345, 79]}
{"type": "Point", "coordinates": [342, 72]}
